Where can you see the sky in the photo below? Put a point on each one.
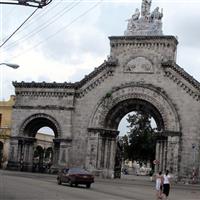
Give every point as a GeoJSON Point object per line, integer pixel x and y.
{"type": "Point", "coordinates": [66, 40]}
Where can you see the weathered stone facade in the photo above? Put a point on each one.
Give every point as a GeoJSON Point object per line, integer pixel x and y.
{"type": "Point", "coordinates": [140, 74]}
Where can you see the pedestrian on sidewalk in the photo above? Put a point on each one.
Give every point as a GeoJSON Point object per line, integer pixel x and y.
{"type": "Point", "coordinates": [166, 185]}
{"type": "Point", "coordinates": [159, 185]}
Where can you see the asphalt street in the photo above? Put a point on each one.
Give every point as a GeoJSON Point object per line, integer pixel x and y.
{"type": "Point", "coordinates": [32, 186]}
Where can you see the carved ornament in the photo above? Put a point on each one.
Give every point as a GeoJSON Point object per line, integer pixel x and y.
{"type": "Point", "coordinates": [170, 67]}
{"type": "Point", "coordinates": [139, 65]}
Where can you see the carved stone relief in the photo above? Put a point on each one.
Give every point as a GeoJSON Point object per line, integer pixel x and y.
{"type": "Point", "coordinates": [139, 65]}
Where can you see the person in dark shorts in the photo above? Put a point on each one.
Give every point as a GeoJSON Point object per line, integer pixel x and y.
{"type": "Point", "coordinates": [166, 185]}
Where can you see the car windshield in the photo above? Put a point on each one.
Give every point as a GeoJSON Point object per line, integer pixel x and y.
{"type": "Point", "coordinates": [77, 170]}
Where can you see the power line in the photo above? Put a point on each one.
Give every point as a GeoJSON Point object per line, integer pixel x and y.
{"type": "Point", "coordinates": [19, 27]}
{"type": "Point", "coordinates": [41, 14]}
{"type": "Point", "coordinates": [36, 31]}
{"type": "Point", "coordinates": [61, 29]}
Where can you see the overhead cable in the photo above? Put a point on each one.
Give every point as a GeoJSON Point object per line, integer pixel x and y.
{"type": "Point", "coordinates": [36, 31]}
{"type": "Point", "coordinates": [19, 27]}
{"type": "Point", "coordinates": [61, 29]}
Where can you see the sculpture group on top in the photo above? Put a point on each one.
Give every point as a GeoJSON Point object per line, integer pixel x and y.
{"type": "Point", "coordinates": [146, 22]}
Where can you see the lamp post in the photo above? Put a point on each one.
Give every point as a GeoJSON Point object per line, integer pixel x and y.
{"type": "Point", "coordinates": [14, 66]}
{"type": "Point", "coordinates": [30, 3]}
{"type": "Point", "coordinates": [11, 65]}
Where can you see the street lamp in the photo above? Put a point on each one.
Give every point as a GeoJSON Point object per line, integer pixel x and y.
{"type": "Point", "coordinates": [31, 3]}
{"type": "Point", "coordinates": [14, 66]}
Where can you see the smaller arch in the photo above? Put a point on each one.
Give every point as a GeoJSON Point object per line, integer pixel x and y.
{"type": "Point", "coordinates": [32, 124]}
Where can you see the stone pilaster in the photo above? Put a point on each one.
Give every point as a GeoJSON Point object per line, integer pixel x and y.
{"type": "Point", "coordinates": [101, 151]}
{"type": "Point", "coordinates": [62, 149]}
{"type": "Point", "coordinates": [13, 154]}
{"type": "Point", "coordinates": [172, 155]}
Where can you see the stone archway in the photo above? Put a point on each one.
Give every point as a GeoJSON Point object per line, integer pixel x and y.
{"type": "Point", "coordinates": [32, 124]}
{"type": "Point", "coordinates": [110, 110]}
{"type": "Point", "coordinates": [26, 140]}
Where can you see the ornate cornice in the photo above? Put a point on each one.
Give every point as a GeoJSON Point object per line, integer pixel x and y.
{"type": "Point", "coordinates": [107, 66]}
{"type": "Point", "coordinates": [43, 85]}
{"type": "Point", "coordinates": [23, 139]}
{"type": "Point", "coordinates": [109, 133]}
{"type": "Point", "coordinates": [168, 133]}
{"type": "Point", "coordinates": [146, 41]}
{"type": "Point", "coordinates": [172, 65]}
{"type": "Point", "coordinates": [46, 107]}
{"type": "Point", "coordinates": [66, 140]}
{"type": "Point", "coordinates": [44, 93]}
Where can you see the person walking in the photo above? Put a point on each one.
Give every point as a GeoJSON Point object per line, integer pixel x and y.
{"type": "Point", "coordinates": [159, 185]}
{"type": "Point", "coordinates": [166, 185]}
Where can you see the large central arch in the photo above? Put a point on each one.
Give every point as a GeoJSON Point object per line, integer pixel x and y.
{"type": "Point", "coordinates": [116, 104]}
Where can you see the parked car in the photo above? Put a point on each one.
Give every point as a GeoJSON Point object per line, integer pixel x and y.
{"type": "Point", "coordinates": [75, 176]}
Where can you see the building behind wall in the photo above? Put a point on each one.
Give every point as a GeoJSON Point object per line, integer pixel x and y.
{"type": "Point", "coordinates": [6, 108]}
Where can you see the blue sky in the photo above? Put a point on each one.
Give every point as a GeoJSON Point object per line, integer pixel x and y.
{"type": "Point", "coordinates": [66, 40]}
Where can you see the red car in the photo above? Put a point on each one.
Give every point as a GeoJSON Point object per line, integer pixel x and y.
{"type": "Point", "coordinates": [75, 176]}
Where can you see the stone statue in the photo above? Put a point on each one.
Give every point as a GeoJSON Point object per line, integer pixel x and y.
{"type": "Point", "coordinates": [136, 15]}
{"type": "Point", "coordinates": [156, 15]}
{"type": "Point", "coordinates": [146, 6]}
{"type": "Point", "coordinates": [147, 23]}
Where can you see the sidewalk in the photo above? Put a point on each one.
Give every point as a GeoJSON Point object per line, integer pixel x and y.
{"type": "Point", "coordinates": [145, 180]}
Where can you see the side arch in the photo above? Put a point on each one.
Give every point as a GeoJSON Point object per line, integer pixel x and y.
{"type": "Point", "coordinates": [33, 123]}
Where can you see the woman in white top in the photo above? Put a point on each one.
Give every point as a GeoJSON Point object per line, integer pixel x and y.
{"type": "Point", "coordinates": [159, 183]}
{"type": "Point", "coordinates": [166, 184]}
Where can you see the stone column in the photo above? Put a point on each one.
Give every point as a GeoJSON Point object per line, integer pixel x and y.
{"type": "Point", "coordinates": [93, 152]}
{"type": "Point", "coordinates": [101, 151]}
{"type": "Point", "coordinates": [109, 160]}
{"type": "Point", "coordinates": [56, 149]}
{"type": "Point", "coordinates": [13, 160]}
{"type": "Point", "coordinates": [64, 153]}
{"type": "Point", "coordinates": [28, 144]}
{"type": "Point", "coordinates": [173, 155]}
{"type": "Point", "coordinates": [157, 156]}
{"type": "Point", "coordinates": [112, 157]}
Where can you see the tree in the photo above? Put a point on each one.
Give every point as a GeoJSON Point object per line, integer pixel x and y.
{"type": "Point", "coordinates": [124, 142]}
{"type": "Point", "coordinates": [141, 137]}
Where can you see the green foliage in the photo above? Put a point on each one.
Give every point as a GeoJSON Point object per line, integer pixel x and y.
{"type": "Point", "coordinates": [140, 144]}
{"type": "Point", "coordinates": [108, 95]}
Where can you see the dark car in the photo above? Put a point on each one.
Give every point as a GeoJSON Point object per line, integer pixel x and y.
{"type": "Point", "coordinates": [75, 176]}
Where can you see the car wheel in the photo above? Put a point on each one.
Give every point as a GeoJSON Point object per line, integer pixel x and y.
{"type": "Point", "coordinates": [70, 183]}
{"type": "Point", "coordinates": [76, 184]}
{"type": "Point", "coordinates": [88, 185]}
{"type": "Point", "coordinates": [59, 181]}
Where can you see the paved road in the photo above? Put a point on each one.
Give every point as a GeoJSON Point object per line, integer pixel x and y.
{"type": "Point", "coordinates": [29, 186]}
